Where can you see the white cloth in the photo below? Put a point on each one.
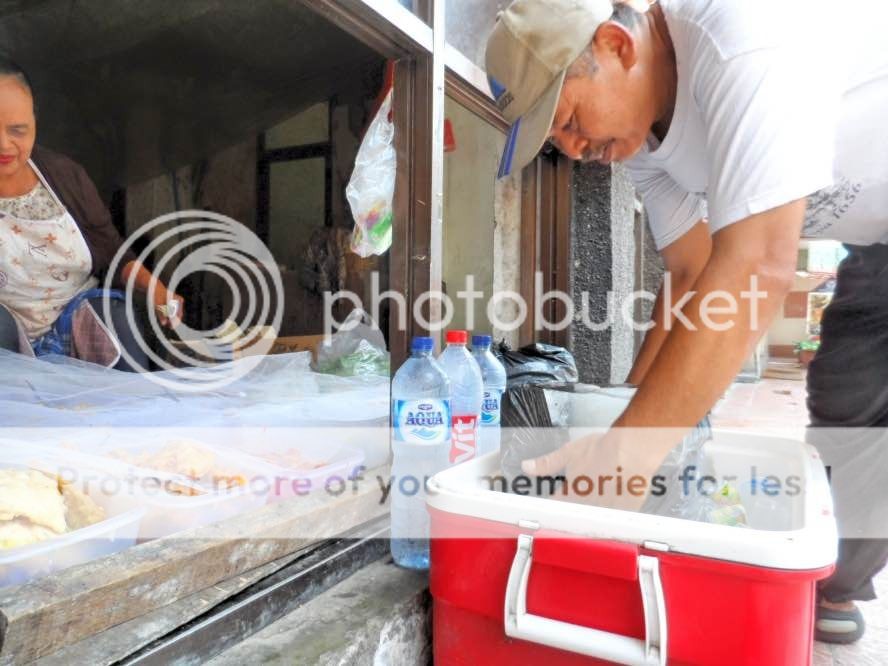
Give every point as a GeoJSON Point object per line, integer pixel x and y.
{"type": "Point", "coordinates": [43, 265]}
{"type": "Point", "coordinates": [777, 100]}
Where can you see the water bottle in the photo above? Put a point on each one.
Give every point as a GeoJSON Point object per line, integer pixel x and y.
{"type": "Point", "coordinates": [420, 444]}
{"type": "Point", "coordinates": [467, 392]}
{"type": "Point", "coordinates": [494, 376]}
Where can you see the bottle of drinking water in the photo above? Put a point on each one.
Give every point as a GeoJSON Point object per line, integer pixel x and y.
{"type": "Point", "coordinates": [420, 444]}
{"type": "Point", "coordinates": [467, 389]}
{"type": "Point", "coordinates": [494, 375]}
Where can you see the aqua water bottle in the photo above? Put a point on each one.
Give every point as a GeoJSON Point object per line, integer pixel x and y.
{"type": "Point", "coordinates": [494, 376]}
{"type": "Point", "coordinates": [421, 419]}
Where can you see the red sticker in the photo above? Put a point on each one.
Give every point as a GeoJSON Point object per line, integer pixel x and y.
{"type": "Point", "coordinates": [463, 438]}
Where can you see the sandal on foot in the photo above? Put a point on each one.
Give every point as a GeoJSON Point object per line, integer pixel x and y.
{"type": "Point", "coordinates": [838, 626]}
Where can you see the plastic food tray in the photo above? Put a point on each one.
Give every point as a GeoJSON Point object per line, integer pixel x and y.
{"type": "Point", "coordinates": [167, 513]}
{"type": "Point", "coordinates": [118, 532]}
{"type": "Point", "coordinates": [342, 462]}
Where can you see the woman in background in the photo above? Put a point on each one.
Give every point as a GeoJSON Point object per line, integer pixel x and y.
{"type": "Point", "coordinates": [57, 243]}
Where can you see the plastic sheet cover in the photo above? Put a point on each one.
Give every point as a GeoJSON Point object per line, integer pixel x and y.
{"type": "Point", "coordinates": [281, 392]}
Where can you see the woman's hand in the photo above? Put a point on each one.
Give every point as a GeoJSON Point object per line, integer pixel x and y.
{"type": "Point", "coordinates": [162, 298]}
{"type": "Point", "coordinates": [164, 302]}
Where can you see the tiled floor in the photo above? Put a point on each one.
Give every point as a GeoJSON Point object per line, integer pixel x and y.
{"type": "Point", "coordinates": [777, 406]}
{"type": "Point", "coordinates": [872, 649]}
{"type": "Point", "coordinates": [774, 406]}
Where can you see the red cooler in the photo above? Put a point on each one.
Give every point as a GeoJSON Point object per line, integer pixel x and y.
{"type": "Point", "coordinates": [525, 580]}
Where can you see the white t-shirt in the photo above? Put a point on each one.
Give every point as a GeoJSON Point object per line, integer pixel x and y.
{"type": "Point", "coordinates": [777, 100]}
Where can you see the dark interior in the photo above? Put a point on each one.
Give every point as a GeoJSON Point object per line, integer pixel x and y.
{"type": "Point", "coordinates": [184, 91]}
{"type": "Point", "coordinates": [134, 89]}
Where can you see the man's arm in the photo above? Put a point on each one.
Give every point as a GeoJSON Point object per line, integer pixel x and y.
{"type": "Point", "coordinates": [694, 367]}
{"type": "Point", "coordinates": [696, 362]}
{"type": "Point", "coordinates": [684, 260]}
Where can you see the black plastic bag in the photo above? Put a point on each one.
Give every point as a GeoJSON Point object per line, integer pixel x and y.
{"type": "Point", "coordinates": [527, 429]}
{"type": "Point", "coordinates": [537, 364]}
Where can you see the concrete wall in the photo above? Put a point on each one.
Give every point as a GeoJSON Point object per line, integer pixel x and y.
{"type": "Point", "coordinates": [623, 244]}
{"type": "Point", "coordinates": [297, 189]}
{"type": "Point", "coordinates": [224, 183]}
{"type": "Point", "coordinates": [648, 270]}
{"type": "Point", "coordinates": [613, 256]}
{"type": "Point", "coordinates": [469, 23]}
{"type": "Point", "coordinates": [507, 254]}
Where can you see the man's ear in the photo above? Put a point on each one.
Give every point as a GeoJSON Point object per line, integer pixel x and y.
{"type": "Point", "coordinates": [612, 39]}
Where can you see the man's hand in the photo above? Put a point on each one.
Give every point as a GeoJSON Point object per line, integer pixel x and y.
{"type": "Point", "coordinates": [599, 471]}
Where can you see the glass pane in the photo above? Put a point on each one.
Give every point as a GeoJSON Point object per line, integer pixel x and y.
{"type": "Point", "coordinates": [296, 207]}
{"type": "Point", "coordinates": [412, 5]}
{"type": "Point", "coordinates": [481, 224]}
{"type": "Point", "coordinates": [469, 23]}
{"type": "Point", "coordinates": [310, 126]}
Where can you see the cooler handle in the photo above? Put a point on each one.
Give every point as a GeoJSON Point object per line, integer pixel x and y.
{"type": "Point", "coordinates": [584, 640]}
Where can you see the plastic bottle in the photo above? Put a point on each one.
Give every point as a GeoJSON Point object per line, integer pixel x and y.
{"type": "Point", "coordinates": [421, 441]}
{"type": "Point", "coordinates": [494, 376]}
{"type": "Point", "coordinates": [467, 390]}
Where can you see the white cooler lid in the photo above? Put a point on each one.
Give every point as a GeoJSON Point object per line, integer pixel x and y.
{"type": "Point", "coordinates": [465, 490]}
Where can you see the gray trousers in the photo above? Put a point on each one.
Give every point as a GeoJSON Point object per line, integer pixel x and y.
{"type": "Point", "coordinates": [125, 335]}
{"type": "Point", "coordinates": [848, 389]}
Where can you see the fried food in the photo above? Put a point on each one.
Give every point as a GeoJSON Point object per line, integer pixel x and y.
{"type": "Point", "coordinates": [178, 457]}
{"type": "Point", "coordinates": [189, 459]}
{"type": "Point", "coordinates": [33, 496]}
{"type": "Point", "coordinates": [35, 506]}
{"type": "Point", "coordinates": [174, 488]}
{"type": "Point", "coordinates": [81, 511]}
{"type": "Point", "coordinates": [20, 532]}
{"type": "Point", "coordinates": [293, 459]}
{"type": "Point", "coordinates": [226, 480]}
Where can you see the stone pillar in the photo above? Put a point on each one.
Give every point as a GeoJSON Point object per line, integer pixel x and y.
{"type": "Point", "coordinates": [611, 258]}
{"type": "Point", "coordinates": [648, 270]}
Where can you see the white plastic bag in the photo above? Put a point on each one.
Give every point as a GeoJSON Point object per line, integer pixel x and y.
{"type": "Point", "coordinates": [372, 186]}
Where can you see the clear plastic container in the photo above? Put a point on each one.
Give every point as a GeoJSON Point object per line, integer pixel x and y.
{"type": "Point", "coordinates": [201, 502]}
{"type": "Point", "coordinates": [117, 532]}
{"type": "Point", "coordinates": [233, 471]}
{"type": "Point", "coordinates": [167, 514]}
{"type": "Point", "coordinates": [280, 452]}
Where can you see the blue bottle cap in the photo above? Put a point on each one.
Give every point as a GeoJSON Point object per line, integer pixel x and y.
{"type": "Point", "coordinates": [422, 344]}
{"type": "Point", "coordinates": [482, 340]}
